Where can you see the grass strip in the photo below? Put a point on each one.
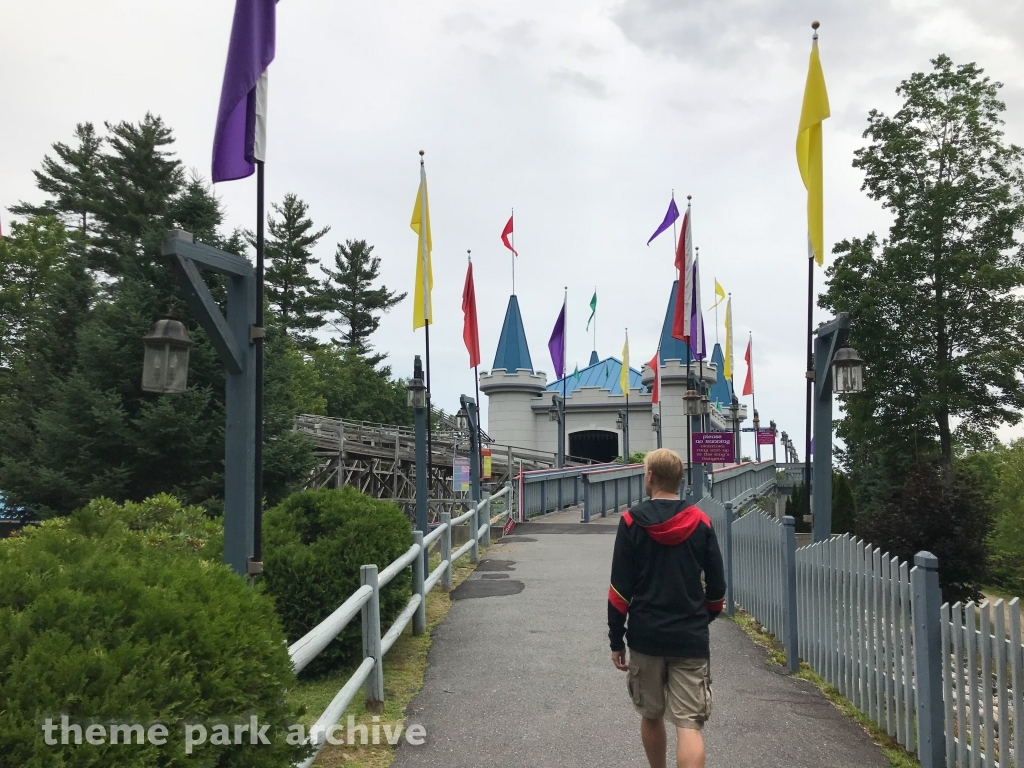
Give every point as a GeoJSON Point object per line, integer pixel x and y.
{"type": "Point", "coordinates": [404, 669]}
{"type": "Point", "coordinates": [897, 756]}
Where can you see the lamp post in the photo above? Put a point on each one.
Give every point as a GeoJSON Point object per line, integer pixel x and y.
{"type": "Point", "coordinates": [233, 335]}
{"type": "Point", "coordinates": [622, 424]}
{"type": "Point", "coordinates": [656, 426]}
{"type": "Point", "coordinates": [556, 413]}
{"type": "Point", "coordinates": [734, 411]}
{"type": "Point", "coordinates": [771, 424]}
{"type": "Point", "coordinates": [837, 368]}
{"type": "Point", "coordinates": [417, 399]}
{"type": "Point", "coordinates": [472, 415]}
{"type": "Point", "coordinates": [757, 441]}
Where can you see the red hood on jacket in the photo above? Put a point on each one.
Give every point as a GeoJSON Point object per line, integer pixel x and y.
{"type": "Point", "coordinates": [673, 530]}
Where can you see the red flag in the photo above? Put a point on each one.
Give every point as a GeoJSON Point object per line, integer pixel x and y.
{"type": "Point", "coordinates": [505, 233]}
{"type": "Point", "coordinates": [748, 385]}
{"type": "Point", "coordinates": [656, 386]}
{"type": "Point", "coordinates": [470, 331]}
{"type": "Point", "coordinates": [684, 263]}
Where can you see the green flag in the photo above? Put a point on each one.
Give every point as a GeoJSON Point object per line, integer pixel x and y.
{"type": "Point", "coordinates": [593, 309]}
{"type": "Point", "coordinates": [576, 373]}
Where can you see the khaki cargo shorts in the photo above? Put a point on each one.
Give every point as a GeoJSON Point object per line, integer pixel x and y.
{"type": "Point", "coordinates": [677, 689]}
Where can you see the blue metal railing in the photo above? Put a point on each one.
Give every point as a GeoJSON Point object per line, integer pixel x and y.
{"type": "Point", "coordinates": [606, 490]}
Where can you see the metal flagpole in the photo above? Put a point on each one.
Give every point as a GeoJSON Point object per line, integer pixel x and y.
{"type": "Point", "coordinates": [689, 457]}
{"type": "Point", "coordinates": [753, 396]}
{"type": "Point", "coordinates": [595, 321]}
{"type": "Point", "coordinates": [476, 380]}
{"type": "Point", "coordinates": [810, 372]}
{"type": "Point", "coordinates": [257, 522]}
{"type": "Point", "coordinates": [425, 256]}
{"type": "Point", "coordinates": [513, 234]}
{"type": "Point", "coordinates": [716, 310]}
{"type": "Point", "coordinates": [565, 372]}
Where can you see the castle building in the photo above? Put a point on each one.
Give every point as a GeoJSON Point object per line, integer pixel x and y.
{"type": "Point", "coordinates": [520, 397]}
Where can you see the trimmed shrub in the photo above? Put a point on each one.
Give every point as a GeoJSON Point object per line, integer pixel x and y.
{"type": "Point", "coordinates": [99, 624]}
{"type": "Point", "coordinates": [314, 544]}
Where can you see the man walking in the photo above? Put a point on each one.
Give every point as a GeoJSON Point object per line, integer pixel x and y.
{"type": "Point", "coordinates": [663, 547]}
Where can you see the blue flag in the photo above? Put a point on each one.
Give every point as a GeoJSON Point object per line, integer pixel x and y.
{"type": "Point", "coordinates": [670, 219]}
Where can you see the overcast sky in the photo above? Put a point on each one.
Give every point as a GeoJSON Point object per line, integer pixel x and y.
{"type": "Point", "coordinates": [583, 116]}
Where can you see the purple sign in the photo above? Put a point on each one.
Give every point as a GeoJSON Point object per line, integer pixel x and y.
{"type": "Point", "coordinates": [766, 437]}
{"type": "Point", "coordinates": [712, 448]}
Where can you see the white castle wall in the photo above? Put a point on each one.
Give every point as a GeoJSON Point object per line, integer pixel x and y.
{"type": "Point", "coordinates": [510, 420]}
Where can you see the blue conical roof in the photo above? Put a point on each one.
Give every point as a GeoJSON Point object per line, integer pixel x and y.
{"type": "Point", "coordinates": [606, 374]}
{"type": "Point", "coordinates": [594, 359]}
{"type": "Point", "coordinates": [672, 348]}
{"type": "Point", "coordinates": [721, 391]}
{"type": "Point", "coordinates": [513, 352]}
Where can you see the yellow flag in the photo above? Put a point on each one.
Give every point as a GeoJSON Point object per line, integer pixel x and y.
{"type": "Point", "coordinates": [422, 309]}
{"type": "Point", "coordinates": [728, 340]}
{"type": "Point", "coordinates": [808, 152]}
{"type": "Point", "coordinates": [719, 294]}
{"type": "Point", "coordinates": [624, 375]}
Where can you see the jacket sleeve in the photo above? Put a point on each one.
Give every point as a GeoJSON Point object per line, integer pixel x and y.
{"type": "Point", "coordinates": [620, 591]}
{"type": "Point", "coordinates": [714, 576]}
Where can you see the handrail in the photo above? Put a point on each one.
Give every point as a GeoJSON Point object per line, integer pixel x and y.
{"type": "Point", "coordinates": [366, 600]}
{"type": "Point", "coordinates": [306, 648]}
{"type": "Point", "coordinates": [399, 565]}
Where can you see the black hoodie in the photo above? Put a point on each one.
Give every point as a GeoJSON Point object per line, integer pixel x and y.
{"type": "Point", "coordinates": [662, 549]}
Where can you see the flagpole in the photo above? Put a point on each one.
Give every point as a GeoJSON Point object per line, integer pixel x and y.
{"type": "Point", "coordinates": [595, 321]}
{"type": "Point", "coordinates": [424, 255]}
{"type": "Point", "coordinates": [716, 310]}
{"type": "Point", "coordinates": [810, 370]}
{"type": "Point", "coordinates": [513, 236]}
{"type": "Point", "coordinates": [674, 234]}
{"type": "Point", "coordinates": [565, 374]}
{"type": "Point", "coordinates": [257, 521]}
{"type": "Point", "coordinates": [476, 380]}
{"type": "Point", "coordinates": [753, 395]}
{"type": "Point", "coordinates": [689, 457]}
{"type": "Point", "coordinates": [810, 346]}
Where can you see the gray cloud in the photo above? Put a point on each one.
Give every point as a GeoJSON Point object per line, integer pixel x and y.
{"type": "Point", "coordinates": [581, 83]}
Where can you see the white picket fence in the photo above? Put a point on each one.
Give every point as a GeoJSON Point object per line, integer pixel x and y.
{"type": "Point", "coordinates": [982, 685]}
{"type": "Point", "coordinates": [758, 547]}
{"type": "Point", "coordinates": [855, 607]}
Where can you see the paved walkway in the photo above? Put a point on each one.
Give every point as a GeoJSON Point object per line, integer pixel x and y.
{"type": "Point", "coordinates": [520, 674]}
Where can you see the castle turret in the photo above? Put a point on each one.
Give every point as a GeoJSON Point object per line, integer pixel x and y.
{"type": "Point", "coordinates": [512, 386]}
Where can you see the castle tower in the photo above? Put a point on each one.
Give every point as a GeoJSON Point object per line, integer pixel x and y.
{"type": "Point", "coordinates": [512, 387]}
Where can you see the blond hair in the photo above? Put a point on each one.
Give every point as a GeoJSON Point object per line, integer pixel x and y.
{"type": "Point", "coordinates": [666, 469]}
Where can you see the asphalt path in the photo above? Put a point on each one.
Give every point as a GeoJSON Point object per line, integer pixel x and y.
{"type": "Point", "coordinates": [520, 675]}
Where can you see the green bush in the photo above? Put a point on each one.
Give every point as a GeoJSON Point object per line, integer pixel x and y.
{"type": "Point", "coordinates": [314, 544]}
{"type": "Point", "coordinates": [104, 624]}
{"type": "Point", "coordinates": [1007, 537]}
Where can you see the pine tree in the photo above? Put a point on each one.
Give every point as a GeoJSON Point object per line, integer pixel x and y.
{"type": "Point", "coordinates": [348, 289]}
{"type": "Point", "coordinates": [73, 180]}
{"type": "Point", "coordinates": [292, 291]}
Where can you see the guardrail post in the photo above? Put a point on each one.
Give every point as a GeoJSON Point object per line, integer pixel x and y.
{"type": "Point", "coordinates": [616, 495]}
{"type": "Point", "coordinates": [420, 567]}
{"type": "Point", "coordinates": [543, 497]}
{"type": "Point", "coordinates": [789, 626]}
{"type": "Point", "coordinates": [730, 604]}
{"type": "Point", "coordinates": [604, 498]}
{"type": "Point", "coordinates": [927, 607]}
{"type": "Point", "coordinates": [487, 518]}
{"type": "Point", "coordinates": [446, 551]}
{"type": "Point", "coordinates": [374, 689]}
{"type": "Point", "coordinates": [586, 501]}
{"type": "Point", "coordinates": [474, 528]}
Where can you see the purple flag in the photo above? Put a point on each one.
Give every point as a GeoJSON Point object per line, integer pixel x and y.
{"type": "Point", "coordinates": [670, 219]}
{"type": "Point", "coordinates": [697, 343]}
{"type": "Point", "coordinates": [238, 140]}
{"type": "Point", "coordinates": [556, 344]}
